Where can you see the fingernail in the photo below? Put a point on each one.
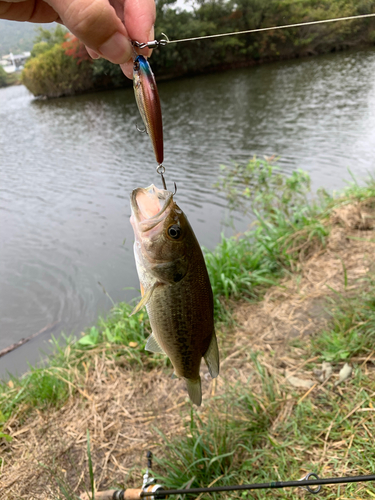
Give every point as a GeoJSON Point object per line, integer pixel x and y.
{"type": "Point", "coordinates": [117, 49]}
{"type": "Point", "coordinates": [92, 53]}
{"type": "Point", "coordinates": [151, 35]}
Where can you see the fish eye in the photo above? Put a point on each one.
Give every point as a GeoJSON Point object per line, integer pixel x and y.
{"type": "Point", "coordinates": [174, 231]}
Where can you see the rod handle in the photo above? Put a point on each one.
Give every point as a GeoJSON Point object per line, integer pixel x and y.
{"type": "Point", "coordinates": [128, 494]}
{"type": "Point", "coordinates": [132, 493]}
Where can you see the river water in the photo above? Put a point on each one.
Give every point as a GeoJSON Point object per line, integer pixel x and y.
{"type": "Point", "coordinates": [67, 167]}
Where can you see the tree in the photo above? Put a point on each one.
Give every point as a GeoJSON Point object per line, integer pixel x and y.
{"type": "Point", "coordinates": [52, 37]}
{"type": "Point", "coordinates": [46, 39]}
{"type": "Point", "coordinates": [3, 77]}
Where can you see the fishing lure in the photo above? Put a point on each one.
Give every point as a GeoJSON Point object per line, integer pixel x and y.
{"type": "Point", "coordinates": [148, 102]}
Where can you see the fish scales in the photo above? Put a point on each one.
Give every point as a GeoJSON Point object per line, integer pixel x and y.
{"type": "Point", "coordinates": [176, 287]}
{"type": "Point", "coordinates": [181, 321]}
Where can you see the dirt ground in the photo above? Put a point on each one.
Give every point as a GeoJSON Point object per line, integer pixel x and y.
{"type": "Point", "coordinates": [123, 406]}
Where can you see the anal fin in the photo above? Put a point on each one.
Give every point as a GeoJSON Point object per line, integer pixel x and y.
{"type": "Point", "coordinates": [152, 345]}
{"type": "Point", "coordinates": [212, 357]}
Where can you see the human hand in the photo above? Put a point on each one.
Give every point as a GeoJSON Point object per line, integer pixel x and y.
{"type": "Point", "coordinates": [104, 26]}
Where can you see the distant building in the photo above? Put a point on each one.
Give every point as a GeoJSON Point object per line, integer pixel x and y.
{"type": "Point", "coordinates": [12, 63]}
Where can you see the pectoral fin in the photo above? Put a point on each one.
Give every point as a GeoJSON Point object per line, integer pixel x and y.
{"type": "Point", "coordinates": [146, 296]}
{"type": "Point", "coordinates": [152, 345]}
{"type": "Point", "coordinates": [212, 357]}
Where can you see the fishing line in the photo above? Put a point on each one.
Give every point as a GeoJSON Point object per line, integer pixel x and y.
{"type": "Point", "coordinates": [165, 41]}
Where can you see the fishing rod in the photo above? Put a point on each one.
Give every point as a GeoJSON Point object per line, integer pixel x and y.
{"type": "Point", "coordinates": [155, 491]}
{"type": "Point", "coordinates": [165, 41]}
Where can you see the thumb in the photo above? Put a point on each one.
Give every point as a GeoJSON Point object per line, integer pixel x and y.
{"type": "Point", "coordinates": [97, 25]}
{"type": "Point", "coordinates": [139, 19]}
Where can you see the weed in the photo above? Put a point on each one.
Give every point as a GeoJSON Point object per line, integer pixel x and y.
{"type": "Point", "coordinates": [287, 228]}
{"type": "Point", "coordinates": [353, 325]}
{"type": "Point", "coordinates": [41, 388]}
{"type": "Point", "coordinates": [119, 328]}
{"type": "Point", "coordinates": [260, 185]}
{"type": "Point", "coordinates": [239, 267]}
{"type": "Point", "coordinates": [206, 453]}
{"type": "Point", "coordinates": [270, 435]}
{"type": "Point", "coordinates": [91, 469]}
{"type": "Point", "coordinates": [359, 192]}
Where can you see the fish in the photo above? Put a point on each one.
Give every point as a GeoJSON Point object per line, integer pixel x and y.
{"type": "Point", "coordinates": [175, 287]}
{"type": "Point", "coordinates": [148, 102]}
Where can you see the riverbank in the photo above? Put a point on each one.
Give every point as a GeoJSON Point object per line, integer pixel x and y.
{"type": "Point", "coordinates": [60, 65]}
{"type": "Point", "coordinates": [310, 299]}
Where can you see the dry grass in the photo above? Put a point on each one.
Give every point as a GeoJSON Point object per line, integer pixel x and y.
{"type": "Point", "coordinates": [122, 406]}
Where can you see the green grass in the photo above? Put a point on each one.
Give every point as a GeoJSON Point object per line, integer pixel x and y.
{"type": "Point", "coordinates": [119, 335]}
{"type": "Point", "coordinates": [352, 331]}
{"type": "Point", "coordinates": [239, 267]}
{"type": "Point", "coordinates": [206, 453]}
{"type": "Point", "coordinates": [238, 444]}
{"type": "Point", "coordinates": [41, 388]}
{"type": "Point", "coordinates": [219, 447]}
{"type": "Point", "coordinates": [127, 332]}
{"type": "Point", "coordinates": [244, 437]}
{"type": "Point", "coordinates": [359, 192]}
{"type": "Point", "coordinates": [287, 228]}
{"type": "Point", "coordinates": [227, 446]}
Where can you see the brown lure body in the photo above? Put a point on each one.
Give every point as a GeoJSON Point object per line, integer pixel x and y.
{"type": "Point", "coordinates": [147, 97]}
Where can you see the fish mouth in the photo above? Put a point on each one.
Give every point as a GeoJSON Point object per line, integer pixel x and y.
{"type": "Point", "coordinates": [149, 206]}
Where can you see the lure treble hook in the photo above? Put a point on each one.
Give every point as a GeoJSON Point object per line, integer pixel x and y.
{"type": "Point", "coordinates": [160, 169]}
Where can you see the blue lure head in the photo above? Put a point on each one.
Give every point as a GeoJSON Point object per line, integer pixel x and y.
{"type": "Point", "coordinates": [142, 67]}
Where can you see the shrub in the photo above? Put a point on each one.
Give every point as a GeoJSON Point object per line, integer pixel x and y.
{"type": "Point", "coordinates": [3, 77]}
{"type": "Point", "coordinates": [54, 74]}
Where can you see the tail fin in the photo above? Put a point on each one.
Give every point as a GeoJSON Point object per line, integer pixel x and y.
{"type": "Point", "coordinates": [194, 390]}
